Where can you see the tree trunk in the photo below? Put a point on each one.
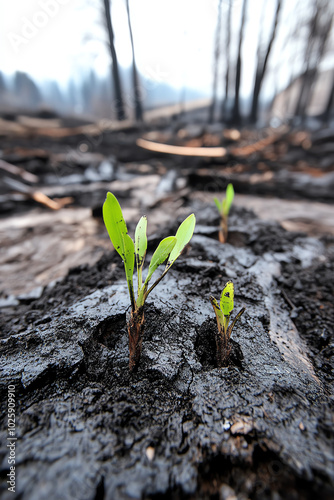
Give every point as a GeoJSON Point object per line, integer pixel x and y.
{"type": "Point", "coordinates": [320, 28]}
{"type": "Point", "coordinates": [215, 65]}
{"type": "Point", "coordinates": [236, 117]}
{"type": "Point", "coordinates": [262, 66]}
{"type": "Point", "coordinates": [227, 69]}
{"type": "Point", "coordinates": [329, 106]}
{"type": "Point", "coordinates": [135, 78]}
{"type": "Point", "coordinates": [115, 70]}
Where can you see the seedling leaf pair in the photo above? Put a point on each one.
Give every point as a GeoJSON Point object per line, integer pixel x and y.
{"type": "Point", "coordinates": [169, 248]}
{"type": "Point", "coordinates": [224, 208]}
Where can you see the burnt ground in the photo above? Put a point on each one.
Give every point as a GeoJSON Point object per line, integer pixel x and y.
{"type": "Point", "coordinates": [179, 427]}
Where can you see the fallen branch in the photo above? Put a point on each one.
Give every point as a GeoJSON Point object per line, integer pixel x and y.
{"type": "Point", "coordinates": [8, 128]}
{"type": "Point", "coordinates": [37, 195]}
{"type": "Point", "coordinates": [180, 150]}
{"type": "Point", "coordinates": [56, 204]}
{"type": "Point", "coordinates": [19, 171]}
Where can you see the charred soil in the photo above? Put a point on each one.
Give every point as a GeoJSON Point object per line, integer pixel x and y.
{"type": "Point", "coordinates": [179, 427]}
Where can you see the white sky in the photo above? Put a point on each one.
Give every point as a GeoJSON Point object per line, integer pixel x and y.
{"type": "Point", "coordinates": [59, 38]}
{"type": "Point", "coordinates": [174, 39]}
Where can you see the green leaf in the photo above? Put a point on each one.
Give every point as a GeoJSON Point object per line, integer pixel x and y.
{"type": "Point", "coordinates": [218, 204]}
{"type": "Point", "coordinates": [129, 260]}
{"type": "Point", "coordinates": [183, 236]}
{"type": "Point", "coordinates": [227, 202]}
{"type": "Point", "coordinates": [118, 233]}
{"type": "Point", "coordinates": [141, 241]}
{"type": "Point", "coordinates": [115, 223]}
{"type": "Point", "coordinates": [227, 299]}
{"type": "Point", "coordinates": [160, 255]}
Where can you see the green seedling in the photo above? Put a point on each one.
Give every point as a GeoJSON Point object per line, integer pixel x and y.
{"type": "Point", "coordinates": [133, 253]}
{"type": "Point", "coordinates": [223, 208]}
{"type": "Point", "coordinates": [223, 312]}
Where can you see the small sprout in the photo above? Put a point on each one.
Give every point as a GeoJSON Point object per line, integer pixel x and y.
{"type": "Point", "coordinates": [223, 312]}
{"type": "Point", "coordinates": [134, 252]}
{"type": "Point", "coordinates": [223, 208]}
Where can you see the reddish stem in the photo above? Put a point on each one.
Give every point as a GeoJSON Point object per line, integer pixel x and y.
{"type": "Point", "coordinates": [136, 333]}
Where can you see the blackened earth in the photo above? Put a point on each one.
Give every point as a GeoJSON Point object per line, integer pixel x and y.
{"type": "Point", "coordinates": [179, 427]}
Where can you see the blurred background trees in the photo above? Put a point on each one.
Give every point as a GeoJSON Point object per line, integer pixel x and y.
{"type": "Point", "coordinates": [271, 62]}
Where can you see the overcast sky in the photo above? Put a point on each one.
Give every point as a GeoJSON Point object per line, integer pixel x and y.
{"type": "Point", "coordinates": [174, 39]}
{"type": "Point", "coordinates": [60, 38]}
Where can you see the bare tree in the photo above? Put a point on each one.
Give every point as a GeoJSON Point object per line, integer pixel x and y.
{"type": "Point", "coordinates": [236, 117]}
{"type": "Point", "coordinates": [115, 70]}
{"type": "Point", "coordinates": [319, 30]}
{"type": "Point", "coordinates": [135, 78]}
{"type": "Point", "coordinates": [262, 65]}
{"type": "Point", "coordinates": [215, 64]}
{"type": "Point", "coordinates": [227, 61]}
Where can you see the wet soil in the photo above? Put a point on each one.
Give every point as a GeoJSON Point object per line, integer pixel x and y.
{"type": "Point", "coordinates": [179, 427]}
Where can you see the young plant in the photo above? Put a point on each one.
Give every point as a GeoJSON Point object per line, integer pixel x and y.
{"type": "Point", "coordinates": [223, 312]}
{"type": "Point", "coordinates": [133, 252]}
{"type": "Point", "coordinates": [223, 208]}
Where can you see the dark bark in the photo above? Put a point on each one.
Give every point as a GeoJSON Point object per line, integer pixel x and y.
{"type": "Point", "coordinates": [236, 117]}
{"type": "Point", "coordinates": [283, 183]}
{"type": "Point", "coordinates": [329, 105]}
{"type": "Point", "coordinates": [135, 77]}
{"type": "Point", "coordinates": [119, 104]}
{"type": "Point", "coordinates": [215, 65]}
{"type": "Point", "coordinates": [309, 72]}
{"type": "Point", "coordinates": [227, 69]}
{"type": "Point", "coordinates": [262, 66]}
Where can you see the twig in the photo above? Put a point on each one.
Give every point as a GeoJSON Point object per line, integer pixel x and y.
{"type": "Point", "coordinates": [53, 204]}
{"type": "Point", "coordinates": [37, 195]}
{"type": "Point", "coordinates": [13, 169]}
